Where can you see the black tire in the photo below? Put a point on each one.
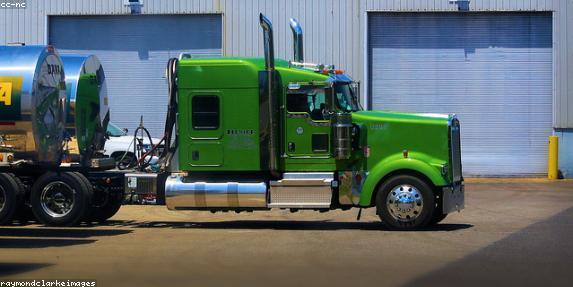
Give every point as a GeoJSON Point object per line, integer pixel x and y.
{"type": "Point", "coordinates": [88, 185]}
{"type": "Point", "coordinates": [438, 217]}
{"type": "Point", "coordinates": [69, 186]}
{"type": "Point", "coordinates": [421, 195]}
{"type": "Point", "coordinates": [11, 196]}
{"type": "Point", "coordinates": [24, 212]}
{"type": "Point", "coordinates": [438, 213]}
{"type": "Point", "coordinates": [101, 209]}
{"type": "Point", "coordinates": [109, 207]}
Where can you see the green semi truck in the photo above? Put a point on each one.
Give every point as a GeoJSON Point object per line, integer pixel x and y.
{"type": "Point", "coordinates": [246, 134]}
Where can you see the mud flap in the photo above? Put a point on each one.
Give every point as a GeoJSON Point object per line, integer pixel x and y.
{"type": "Point", "coordinates": [453, 198]}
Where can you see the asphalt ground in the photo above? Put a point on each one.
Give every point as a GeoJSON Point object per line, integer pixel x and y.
{"type": "Point", "coordinates": [516, 232]}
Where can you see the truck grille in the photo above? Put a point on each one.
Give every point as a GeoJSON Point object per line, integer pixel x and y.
{"type": "Point", "coordinates": [455, 148]}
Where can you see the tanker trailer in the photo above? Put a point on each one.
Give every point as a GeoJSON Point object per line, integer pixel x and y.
{"type": "Point", "coordinates": [32, 102]}
{"type": "Point", "coordinates": [32, 136]}
{"type": "Point", "coordinates": [87, 107]}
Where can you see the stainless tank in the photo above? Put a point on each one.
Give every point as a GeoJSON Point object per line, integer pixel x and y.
{"type": "Point", "coordinates": [87, 102]}
{"type": "Point", "coordinates": [32, 103]}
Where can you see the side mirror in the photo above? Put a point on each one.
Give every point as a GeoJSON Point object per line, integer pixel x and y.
{"type": "Point", "coordinates": [125, 130]}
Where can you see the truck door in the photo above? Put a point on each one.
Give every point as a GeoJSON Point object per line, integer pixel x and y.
{"type": "Point", "coordinates": [206, 130]}
{"type": "Point", "coordinates": [307, 122]}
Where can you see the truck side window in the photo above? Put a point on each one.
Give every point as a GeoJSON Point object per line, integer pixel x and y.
{"type": "Point", "coordinates": [312, 103]}
{"type": "Point", "coordinates": [205, 112]}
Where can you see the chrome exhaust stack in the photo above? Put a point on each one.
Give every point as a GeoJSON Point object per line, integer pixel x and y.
{"type": "Point", "coordinates": [268, 42]}
{"type": "Point", "coordinates": [268, 103]}
{"type": "Point", "coordinates": [297, 40]}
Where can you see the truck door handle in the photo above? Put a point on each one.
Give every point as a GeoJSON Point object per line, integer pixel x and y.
{"type": "Point", "coordinates": [195, 155]}
{"type": "Point", "coordinates": [291, 147]}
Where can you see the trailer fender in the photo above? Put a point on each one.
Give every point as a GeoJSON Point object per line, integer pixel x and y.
{"type": "Point", "coordinates": [417, 162]}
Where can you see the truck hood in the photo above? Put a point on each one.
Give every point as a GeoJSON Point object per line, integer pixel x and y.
{"type": "Point", "coordinates": [390, 134]}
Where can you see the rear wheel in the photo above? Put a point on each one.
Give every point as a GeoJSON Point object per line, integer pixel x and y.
{"type": "Point", "coordinates": [11, 195]}
{"type": "Point", "coordinates": [60, 199]}
{"type": "Point", "coordinates": [405, 202]}
{"type": "Point", "coordinates": [106, 206]}
{"type": "Point", "coordinates": [24, 211]}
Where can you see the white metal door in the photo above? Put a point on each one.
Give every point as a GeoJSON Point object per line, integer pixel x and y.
{"type": "Point", "coordinates": [492, 69]}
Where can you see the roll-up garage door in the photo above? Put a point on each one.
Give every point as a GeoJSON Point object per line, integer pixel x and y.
{"type": "Point", "coordinates": [494, 70]}
{"type": "Point", "coordinates": [134, 51]}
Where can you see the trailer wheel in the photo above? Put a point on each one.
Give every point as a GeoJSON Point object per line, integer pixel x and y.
{"type": "Point", "coordinates": [24, 210]}
{"type": "Point", "coordinates": [110, 205]}
{"type": "Point", "coordinates": [405, 202]}
{"type": "Point", "coordinates": [88, 185]}
{"type": "Point", "coordinates": [60, 199]}
{"type": "Point", "coordinates": [11, 196]}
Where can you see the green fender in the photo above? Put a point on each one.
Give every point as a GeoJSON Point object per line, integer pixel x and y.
{"type": "Point", "coordinates": [418, 162]}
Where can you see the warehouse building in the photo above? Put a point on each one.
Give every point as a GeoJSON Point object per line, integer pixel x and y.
{"type": "Point", "coordinates": [503, 66]}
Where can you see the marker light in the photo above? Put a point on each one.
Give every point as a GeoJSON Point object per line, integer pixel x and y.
{"type": "Point", "coordinates": [366, 151]}
{"type": "Point", "coordinates": [358, 178]}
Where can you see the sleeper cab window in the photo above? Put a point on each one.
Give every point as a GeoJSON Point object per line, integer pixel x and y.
{"type": "Point", "coordinates": [205, 112]}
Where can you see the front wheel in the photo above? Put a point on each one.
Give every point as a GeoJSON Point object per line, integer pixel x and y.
{"type": "Point", "coordinates": [405, 202]}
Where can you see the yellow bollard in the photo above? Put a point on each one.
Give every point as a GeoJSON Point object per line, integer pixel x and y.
{"type": "Point", "coordinates": [553, 161]}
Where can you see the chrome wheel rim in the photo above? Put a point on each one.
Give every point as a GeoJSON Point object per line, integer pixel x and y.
{"type": "Point", "coordinates": [2, 198]}
{"type": "Point", "coordinates": [57, 199]}
{"type": "Point", "coordinates": [405, 203]}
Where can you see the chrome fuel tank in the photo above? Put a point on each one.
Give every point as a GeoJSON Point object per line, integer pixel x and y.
{"type": "Point", "coordinates": [183, 194]}
{"type": "Point", "coordinates": [32, 103]}
{"type": "Point", "coordinates": [87, 102]}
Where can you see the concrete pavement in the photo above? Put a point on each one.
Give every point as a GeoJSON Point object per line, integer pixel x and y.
{"type": "Point", "coordinates": [512, 232]}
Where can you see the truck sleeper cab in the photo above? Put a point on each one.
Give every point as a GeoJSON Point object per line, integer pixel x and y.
{"type": "Point", "coordinates": [259, 134]}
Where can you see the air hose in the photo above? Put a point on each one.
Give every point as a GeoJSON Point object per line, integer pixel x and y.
{"type": "Point", "coordinates": [140, 157]}
{"type": "Point", "coordinates": [171, 118]}
{"type": "Point", "coordinates": [142, 160]}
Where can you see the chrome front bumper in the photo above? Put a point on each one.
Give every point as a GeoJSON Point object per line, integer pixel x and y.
{"type": "Point", "coordinates": [453, 198]}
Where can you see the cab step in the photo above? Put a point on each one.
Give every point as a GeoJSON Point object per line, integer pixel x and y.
{"type": "Point", "coordinates": [302, 190]}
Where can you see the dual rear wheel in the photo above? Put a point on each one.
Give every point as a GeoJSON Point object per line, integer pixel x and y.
{"type": "Point", "coordinates": [56, 199]}
{"type": "Point", "coordinates": [61, 199]}
{"type": "Point", "coordinates": [11, 196]}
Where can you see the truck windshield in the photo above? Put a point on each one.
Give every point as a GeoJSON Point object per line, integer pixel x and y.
{"type": "Point", "coordinates": [346, 97]}
{"type": "Point", "coordinates": [115, 131]}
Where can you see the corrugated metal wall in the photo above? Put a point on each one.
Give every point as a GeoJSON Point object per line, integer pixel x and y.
{"type": "Point", "coordinates": [492, 69]}
{"type": "Point", "coordinates": [134, 66]}
{"type": "Point", "coordinates": [334, 28]}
